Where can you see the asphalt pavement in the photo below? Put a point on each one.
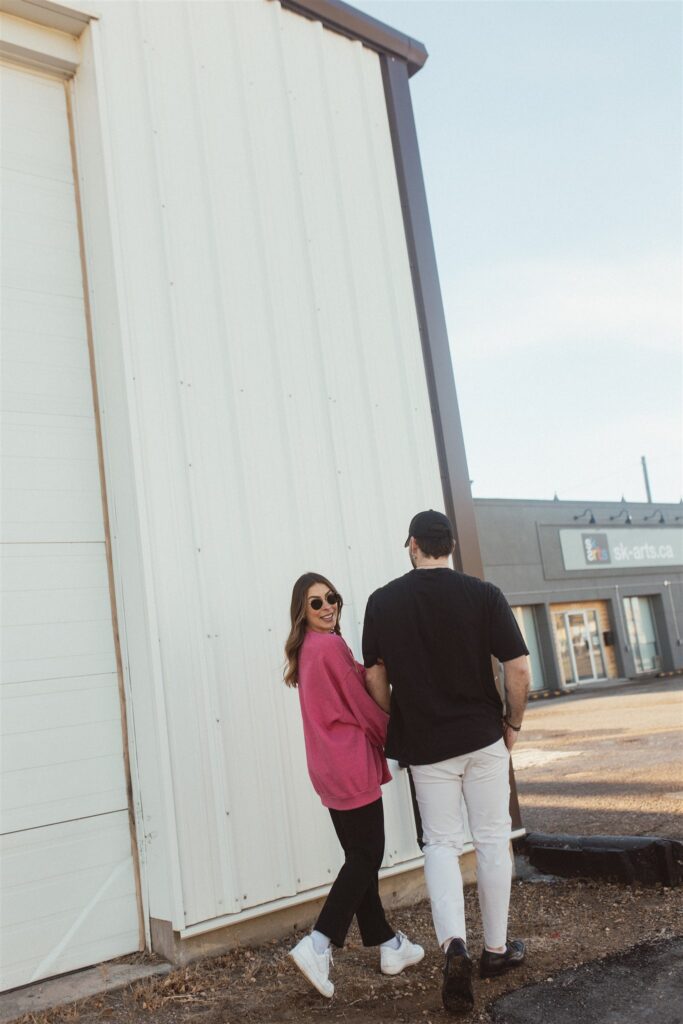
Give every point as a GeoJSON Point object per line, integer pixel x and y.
{"type": "Point", "coordinates": [643, 986]}
{"type": "Point", "coordinates": [604, 761]}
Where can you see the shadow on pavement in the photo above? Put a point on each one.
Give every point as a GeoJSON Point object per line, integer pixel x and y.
{"type": "Point", "coordinates": [643, 986]}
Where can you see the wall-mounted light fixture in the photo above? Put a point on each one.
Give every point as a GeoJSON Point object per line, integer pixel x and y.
{"type": "Point", "coordinates": [586, 512]}
{"type": "Point", "coordinates": [656, 512]}
{"type": "Point", "coordinates": [624, 512]}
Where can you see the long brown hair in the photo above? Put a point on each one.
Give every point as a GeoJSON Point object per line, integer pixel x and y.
{"type": "Point", "coordinates": [297, 613]}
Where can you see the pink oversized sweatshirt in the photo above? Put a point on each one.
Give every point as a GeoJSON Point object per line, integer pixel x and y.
{"type": "Point", "coordinates": [344, 729]}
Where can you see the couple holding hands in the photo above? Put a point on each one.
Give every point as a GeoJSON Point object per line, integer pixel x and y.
{"type": "Point", "coordinates": [426, 697]}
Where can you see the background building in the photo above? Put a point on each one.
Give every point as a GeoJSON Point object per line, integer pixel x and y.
{"type": "Point", "coordinates": [597, 591]}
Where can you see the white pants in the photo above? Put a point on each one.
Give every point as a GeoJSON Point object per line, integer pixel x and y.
{"type": "Point", "coordinates": [482, 779]}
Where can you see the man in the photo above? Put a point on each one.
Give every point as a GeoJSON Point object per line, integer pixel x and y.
{"type": "Point", "coordinates": [430, 635]}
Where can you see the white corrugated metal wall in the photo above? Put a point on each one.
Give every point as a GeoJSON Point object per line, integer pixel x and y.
{"type": "Point", "coordinates": [278, 390]}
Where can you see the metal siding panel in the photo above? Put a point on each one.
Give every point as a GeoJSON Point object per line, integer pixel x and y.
{"type": "Point", "coordinates": [283, 410]}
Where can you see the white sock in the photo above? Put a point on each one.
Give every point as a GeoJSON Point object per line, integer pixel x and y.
{"type": "Point", "coordinates": [321, 943]}
{"type": "Point", "coordinates": [392, 943]}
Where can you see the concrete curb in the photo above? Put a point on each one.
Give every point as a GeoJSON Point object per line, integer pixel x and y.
{"type": "Point", "coordinates": [650, 860]}
{"type": "Point", "coordinates": [71, 988]}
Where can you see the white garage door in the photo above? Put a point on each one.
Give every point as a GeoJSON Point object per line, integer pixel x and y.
{"type": "Point", "coordinates": [68, 891]}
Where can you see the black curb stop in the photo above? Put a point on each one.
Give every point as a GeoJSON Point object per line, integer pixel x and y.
{"type": "Point", "coordinates": [651, 860]}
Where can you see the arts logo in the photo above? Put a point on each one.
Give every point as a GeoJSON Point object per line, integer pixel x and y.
{"type": "Point", "coordinates": [595, 548]}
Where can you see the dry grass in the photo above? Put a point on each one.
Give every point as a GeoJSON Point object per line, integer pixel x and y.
{"type": "Point", "coordinates": [565, 923]}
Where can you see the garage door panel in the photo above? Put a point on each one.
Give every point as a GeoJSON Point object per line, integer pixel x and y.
{"type": "Point", "coordinates": [35, 749]}
{"type": "Point", "coordinates": [68, 385]}
{"type": "Point", "coordinates": [58, 640]}
{"type": "Point", "coordinates": [68, 886]}
{"type": "Point", "coordinates": [55, 271]}
{"type": "Point", "coordinates": [24, 347]}
{"type": "Point", "coordinates": [34, 706]}
{"type": "Point", "coordinates": [63, 895]}
{"type": "Point", "coordinates": [60, 669]}
{"type": "Point", "coordinates": [46, 202]}
{"type": "Point", "coordinates": [51, 853]}
{"type": "Point", "coordinates": [55, 234]}
{"type": "Point", "coordinates": [34, 155]}
{"type": "Point", "coordinates": [57, 516]}
{"type": "Point", "coordinates": [55, 793]}
{"type": "Point", "coordinates": [72, 439]}
{"type": "Point", "coordinates": [24, 473]}
{"type": "Point", "coordinates": [75, 946]}
{"type": "Point", "coordinates": [44, 316]}
{"type": "Point", "coordinates": [61, 888]}
{"type": "Point", "coordinates": [22, 90]}
{"type": "Point", "coordinates": [22, 607]}
{"type": "Point", "coordinates": [26, 567]}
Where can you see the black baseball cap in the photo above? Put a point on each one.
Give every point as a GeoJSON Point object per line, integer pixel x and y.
{"type": "Point", "coordinates": [430, 525]}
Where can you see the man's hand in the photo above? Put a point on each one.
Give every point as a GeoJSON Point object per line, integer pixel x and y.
{"type": "Point", "coordinates": [517, 680]}
{"type": "Point", "coordinates": [377, 684]}
{"type": "Point", "coordinates": [509, 736]}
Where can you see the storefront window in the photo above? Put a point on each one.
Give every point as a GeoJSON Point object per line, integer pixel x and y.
{"type": "Point", "coordinates": [642, 635]}
{"type": "Point", "coordinates": [527, 624]}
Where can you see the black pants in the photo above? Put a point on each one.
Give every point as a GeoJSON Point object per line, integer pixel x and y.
{"type": "Point", "coordinates": [356, 889]}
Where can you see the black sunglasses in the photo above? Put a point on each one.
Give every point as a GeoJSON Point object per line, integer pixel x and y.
{"type": "Point", "coordinates": [332, 598]}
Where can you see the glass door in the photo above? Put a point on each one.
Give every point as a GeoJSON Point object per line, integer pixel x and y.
{"type": "Point", "coordinates": [580, 645]}
{"type": "Point", "coordinates": [595, 642]}
{"type": "Point", "coordinates": [642, 635]}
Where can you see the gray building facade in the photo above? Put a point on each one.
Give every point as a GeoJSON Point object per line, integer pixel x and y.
{"type": "Point", "coordinates": [597, 588]}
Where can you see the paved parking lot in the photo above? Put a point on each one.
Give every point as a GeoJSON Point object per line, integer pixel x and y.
{"type": "Point", "coordinates": [604, 761]}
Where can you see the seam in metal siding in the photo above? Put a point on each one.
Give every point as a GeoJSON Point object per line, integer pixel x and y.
{"type": "Point", "coordinates": [283, 408]}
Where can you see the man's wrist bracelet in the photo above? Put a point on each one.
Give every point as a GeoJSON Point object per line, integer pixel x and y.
{"type": "Point", "coordinates": [515, 728]}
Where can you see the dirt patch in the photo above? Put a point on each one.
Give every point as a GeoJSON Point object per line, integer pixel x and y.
{"type": "Point", "coordinates": [565, 923]}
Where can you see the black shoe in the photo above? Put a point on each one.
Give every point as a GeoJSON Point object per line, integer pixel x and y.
{"type": "Point", "coordinates": [493, 964]}
{"type": "Point", "coordinates": [456, 991]}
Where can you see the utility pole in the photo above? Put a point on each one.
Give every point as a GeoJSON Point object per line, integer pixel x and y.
{"type": "Point", "coordinates": [647, 480]}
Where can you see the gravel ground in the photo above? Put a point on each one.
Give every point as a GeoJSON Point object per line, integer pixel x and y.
{"type": "Point", "coordinates": [606, 762]}
{"type": "Point", "coordinates": [565, 923]}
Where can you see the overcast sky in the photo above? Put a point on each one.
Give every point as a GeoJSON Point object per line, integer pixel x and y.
{"type": "Point", "coordinates": [551, 143]}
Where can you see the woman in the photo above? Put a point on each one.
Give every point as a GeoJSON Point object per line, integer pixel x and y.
{"type": "Point", "coordinates": [344, 732]}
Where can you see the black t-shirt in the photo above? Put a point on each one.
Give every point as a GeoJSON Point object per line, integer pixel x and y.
{"type": "Point", "coordinates": [435, 630]}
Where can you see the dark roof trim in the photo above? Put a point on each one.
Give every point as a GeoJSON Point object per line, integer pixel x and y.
{"type": "Point", "coordinates": [450, 445]}
{"type": "Point", "coordinates": [342, 18]}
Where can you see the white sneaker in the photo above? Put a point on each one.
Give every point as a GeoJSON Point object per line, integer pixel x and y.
{"type": "Point", "coordinates": [408, 953]}
{"type": "Point", "coordinates": [314, 966]}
